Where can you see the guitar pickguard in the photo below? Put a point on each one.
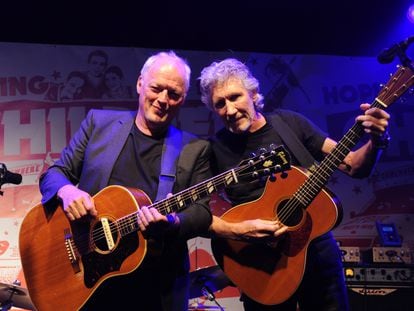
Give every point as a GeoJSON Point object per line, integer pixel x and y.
{"type": "Point", "coordinates": [97, 265]}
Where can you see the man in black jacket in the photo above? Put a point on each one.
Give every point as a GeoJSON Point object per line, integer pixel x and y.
{"type": "Point", "coordinates": [125, 148]}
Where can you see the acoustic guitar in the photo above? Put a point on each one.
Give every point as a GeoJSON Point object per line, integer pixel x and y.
{"type": "Point", "coordinates": [271, 273]}
{"type": "Point", "coordinates": [65, 262]}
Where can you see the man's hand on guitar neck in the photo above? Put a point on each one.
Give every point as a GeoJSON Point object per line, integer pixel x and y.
{"type": "Point", "coordinates": [360, 162]}
{"type": "Point", "coordinates": [76, 203]}
{"type": "Point", "coordinates": [151, 221]}
{"type": "Point", "coordinates": [252, 230]}
{"type": "Point", "coordinates": [374, 120]}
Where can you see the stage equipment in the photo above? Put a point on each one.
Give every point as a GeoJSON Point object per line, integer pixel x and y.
{"type": "Point", "coordinates": [206, 281]}
{"type": "Point", "coordinates": [8, 177]}
{"type": "Point", "coordinates": [12, 295]}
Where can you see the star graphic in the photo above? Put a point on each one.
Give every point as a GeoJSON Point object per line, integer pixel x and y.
{"type": "Point", "coordinates": [56, 75]}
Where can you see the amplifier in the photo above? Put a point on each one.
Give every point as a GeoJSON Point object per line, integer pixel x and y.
{"type": "Point", "coordinates": [350, 254]}
{"type": "Point", "coordinates": [374, 275]}
{"type": "Point", "coordinates": [388, 287]}
{"type": "Point", "coordinates": [372, 298]}
{"type": "Point", "coordinates": [391, 255]}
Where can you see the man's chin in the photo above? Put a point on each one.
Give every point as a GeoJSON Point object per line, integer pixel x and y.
{"type": "Point", "coordinates": [238, 128]}
{"type": "Point", "coordinates": [159, 120]}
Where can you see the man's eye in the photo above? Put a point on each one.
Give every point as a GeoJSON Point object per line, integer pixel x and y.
{"type": "Point", "coordinates": [218, 105]}
{"type": "Point", "coordinates": [174, 96]}
{"type": "Point", "coordinates": [233, 98]}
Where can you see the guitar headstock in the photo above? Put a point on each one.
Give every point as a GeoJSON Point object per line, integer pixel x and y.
{"type": "Point", "coordinates": [399, 82]}
{"type": "Point", "coordinates": [269, 161]}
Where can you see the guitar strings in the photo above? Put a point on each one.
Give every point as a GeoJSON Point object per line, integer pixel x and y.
{"type": "Point", "coordinates": [188, 194]}
{"type": "Point", "coordinates": [311, 188]}
{"type": "Point", "coordinates": [129, 221]}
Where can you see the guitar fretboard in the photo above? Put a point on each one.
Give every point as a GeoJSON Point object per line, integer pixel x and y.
{"type": "Point", "coordinates": [181, 200]}
{"type": "Point", "coordinates": [270, 162]}
{"type": "Point", "coordinates": [318, 179]}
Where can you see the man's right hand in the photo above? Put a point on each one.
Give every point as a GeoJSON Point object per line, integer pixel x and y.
{"type": "Point", "coordinates": [251, 230]}
{"type": "Point", "coordinates": [76, 203]}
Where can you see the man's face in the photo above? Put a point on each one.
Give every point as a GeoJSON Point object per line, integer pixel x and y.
{"type": "Point", "coordinates": [72, 87]}
{"type": "Point", "coordinates": [161, 92]}
{"type": "Point", "coordinates": [234, 105]}
{"type": "Point", "coordinates": [97, 66]}
{"type": "Point", "coordinates": [112, 81]}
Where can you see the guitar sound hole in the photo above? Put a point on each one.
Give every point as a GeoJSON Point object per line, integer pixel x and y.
{"type": "Point", "coordinates": [289, 214]}
{"type": "Point", "coordinates": [99, 237]}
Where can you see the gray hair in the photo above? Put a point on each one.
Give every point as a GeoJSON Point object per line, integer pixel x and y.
{"type": "Point", "coordinates": [219, 72]}
{"type": "Point", "coordinates": [171, 55]}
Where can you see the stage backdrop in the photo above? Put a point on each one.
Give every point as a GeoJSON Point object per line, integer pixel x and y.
{"type": "Point", "coordinates": [44, 95]}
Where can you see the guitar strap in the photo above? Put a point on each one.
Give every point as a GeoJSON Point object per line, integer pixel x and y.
{"type": "Point", "coordinates": [170, 152]}
{"type": "Point", "coordinates": [292, 141]}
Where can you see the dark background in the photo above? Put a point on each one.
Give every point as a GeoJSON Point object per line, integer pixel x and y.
{"type": "Point", "coordinates": [353, 27]}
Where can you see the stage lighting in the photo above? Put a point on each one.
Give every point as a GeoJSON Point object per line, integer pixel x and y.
{"type": "Point", "coordinates": [410, 14]}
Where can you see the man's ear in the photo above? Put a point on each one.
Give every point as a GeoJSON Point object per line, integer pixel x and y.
{"type": "Point", "coordinates": [255, 96]}
{"type": "Point", "coordinates": [139, 84]}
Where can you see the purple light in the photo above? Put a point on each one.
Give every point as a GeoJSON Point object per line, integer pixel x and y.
{"type": "Point", "coordinates": [410, 14]}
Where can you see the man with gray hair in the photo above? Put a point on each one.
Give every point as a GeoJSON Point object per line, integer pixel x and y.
{"type": "Point", "coordinates": [230, 90]}
{"type": "Point", "coordinates": [126, 148]}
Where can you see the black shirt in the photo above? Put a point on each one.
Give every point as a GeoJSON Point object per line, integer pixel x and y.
{"type": "Point", "coordinates": [230, 149]}
{"type": "Point", "coordinates": [139, 163]}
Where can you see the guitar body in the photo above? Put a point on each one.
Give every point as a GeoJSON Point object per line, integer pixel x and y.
{"type": "Point", "coordinates": [270, 274]}
{"type": "Point", "coordinates": [65, 262]}
{"type": "Point", "coordinates": [61, 262]}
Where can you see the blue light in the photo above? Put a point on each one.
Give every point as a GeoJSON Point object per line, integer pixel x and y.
{"type": "Point", "coordinates": [410, 14]}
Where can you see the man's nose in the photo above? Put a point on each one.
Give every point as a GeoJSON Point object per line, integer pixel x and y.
{"type": "Point", "coordinates": [163, 96]}
{"type": "Point", "coordinates": [230, 108]}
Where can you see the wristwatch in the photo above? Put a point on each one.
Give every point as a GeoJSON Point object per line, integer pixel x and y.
{"type": "Point", "coordinates": [382, 142]}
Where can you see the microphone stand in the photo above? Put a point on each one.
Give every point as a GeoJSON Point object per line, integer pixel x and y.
{"type": "Point", "coordinates": [8, 177]}
{"type": "Point", "coordinates": [397, 50]}
{"type": "Point", "coordinates": [3, 171]}
{"type": "Point", "coordinates": [208, 293]}
{"type": "Point", "coordinates": [8, 304]}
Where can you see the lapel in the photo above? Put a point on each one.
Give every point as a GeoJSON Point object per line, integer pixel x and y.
{"type": "Point", "coordinates": [116, 140]}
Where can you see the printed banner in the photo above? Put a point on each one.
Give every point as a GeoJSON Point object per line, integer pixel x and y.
{"type": "Point", "coordinates": [46, 91]}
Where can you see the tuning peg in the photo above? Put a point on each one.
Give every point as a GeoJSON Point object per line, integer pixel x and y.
{"type": "Point", "coordinates": [284, 175]}
{"type": "Point", "coordinates": [273, 146]}
{"type": "Point", "coordinates": [262, 150]}
{"type": "Point", "coordinates": [252, 155]}
{"type": "Point", "coordinates": [272, 177]}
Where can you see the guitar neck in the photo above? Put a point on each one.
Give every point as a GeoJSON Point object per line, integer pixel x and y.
{"type": "Point", "coordinates": [265, 164]}
{"type": "Point", "coordinates": [183, 199]}
{"type": "Point", "coordinates": [189, 196]}
{"type": "Point", "coordinates": [320, 176]}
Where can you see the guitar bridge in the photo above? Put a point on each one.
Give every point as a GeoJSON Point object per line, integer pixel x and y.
{"type": "Point", "coordinates": [71, 250]}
